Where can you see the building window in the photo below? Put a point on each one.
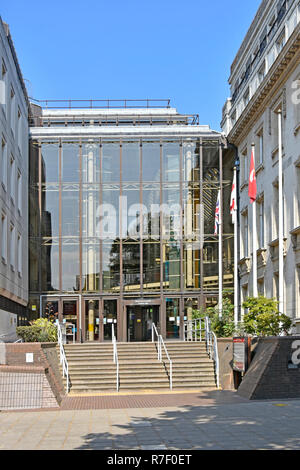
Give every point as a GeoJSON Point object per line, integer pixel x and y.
{"type": "Point", "coordinates": [12, 178]}
{"type": "Point", "coordinates": [12, 110]}
{"type": "Point", "coordinates": [12, 246]}
{"type": "Point", "coordinates": [280, 43]}
{"type": "Point", "coordinates": [4, 237]}
{"type": "Point", "coordinates": [276, 286]}
{"type": "Point", "coordinates": [20, 255]}
{"type": "Point", "coordinates": [244, 166]}
{"type": "Point", "coordinates": [20, 130]}
{"type": "Point", "coordinates": [245, 234]}
{"type": "Point", "coordinates": [262, 72]}
{"type": "Point", "coordinates": [4, 163]}
{"type": "Point", "coordinates": [261, 286]}
{"type": "Point", "coordinates": [260, 153]}
{"type": "Point", "coordinates": [19, 182]}
{"type": "Point", "coordinates": [261, 223]}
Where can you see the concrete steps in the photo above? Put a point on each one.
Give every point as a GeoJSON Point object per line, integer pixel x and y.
{"type": "Point", "coordinates": [91, 367]}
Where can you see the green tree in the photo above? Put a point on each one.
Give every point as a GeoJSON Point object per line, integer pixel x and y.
{"type": "Point", "coordinates": [263, 317]}
{"type": "Point", "coordinates": [39, 331]}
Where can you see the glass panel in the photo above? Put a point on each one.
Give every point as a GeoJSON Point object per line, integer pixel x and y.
{"type": "Point", "coordinates": [50, 212]}
{"type": "Point", "coordinates": [172, 318]}
{"type": "Point", "coordinates": [92, 320]}
{"type": "Point", "coordinates": [171, 209]}
{"type": "Point", "coordinates": [70, 211]}
{"type": "Point", "coordinates": [210, 196]}
{"type": "Point", "coordinates": [90, 210]}
{"type": "Point", "coordinates": [90, 163]}
{"type": "Point", "coordinates": [190, 305]}
{"type": "Point", "coordinates": [131, 213]}
{"type": "Point", "coordinates": [191, 162]}
{"type": "Point", "coordinates": [151, 266]}
{"type": "Point", "coordinates": [192, 265]}
{"type": "Point", "coordinates": [109, 212]}
{"type": "Point", "coordinates": [131, 161]}
{"type": "Point", "coordinates": [70, 315]}
{"type": "Point", "coordinates": [131, 266]}
{"type": "Point", "coordinates": [151, 161]}
{"type": "Point", "coordinates": [151, 212]}
{"type": "Point", "coordinates": [70, 265]}
{"type": "Point", "coordinates": [111, 266]}
{"type": "Point", "coordinates": [50, 163]}
{"type": "Point", "coordinates": [192, 212]}
{"type": "Point", "coordinates": [90, 264]}
{"type": "Point", "coordinates": [34, 258]}
{"type": "Point", "coordinates": [171, 265]}
{"type": "Point", "coordinates": [171, 161]}
{"type": "Point", "coordinates": [228, 261]}
{"type": "Point", "coordinates": [109, 318]}
{"type": "Point", "coordinates": [50, 309]}
{"type": "Point", "coordinates": [50, 265]}
{"type": "Point", "coordinates": [70, 163]}
{"type": "Point", "coordinates": [34, 213]}
{"type": "Point", "coordinates": [110, 162]}
{"type": "Point", "coordinates": [210, 266]}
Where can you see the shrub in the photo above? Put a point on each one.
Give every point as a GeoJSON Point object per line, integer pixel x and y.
{"type": "Point", "coordinates": [39, 331]}
{"type": "Point", "coordinates": [263, 317]}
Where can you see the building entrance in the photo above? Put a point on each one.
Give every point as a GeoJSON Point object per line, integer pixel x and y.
{"type": "Point", "coordinates": [139, 322]}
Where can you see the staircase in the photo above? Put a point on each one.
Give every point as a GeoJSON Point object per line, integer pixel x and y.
{"type": "Point", "coordinates": [91, 367]}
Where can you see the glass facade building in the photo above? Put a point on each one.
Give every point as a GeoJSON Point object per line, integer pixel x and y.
{"type": "Point", "coordinates": [122, 212]}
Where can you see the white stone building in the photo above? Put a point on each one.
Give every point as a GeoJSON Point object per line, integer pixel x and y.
{"type": "Point", "coordinates": [13, 189]}
{"type": "Point", "coordinates": [265, 79]}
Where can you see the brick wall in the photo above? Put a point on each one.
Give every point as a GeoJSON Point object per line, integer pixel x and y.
{"type": "Point", "coordinates": [272, 374]}
{"type": "Point", "coordinates": [36, 384]}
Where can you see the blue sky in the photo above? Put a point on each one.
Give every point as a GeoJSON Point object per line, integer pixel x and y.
{"type": "Point", "coordinates": [177, 49]}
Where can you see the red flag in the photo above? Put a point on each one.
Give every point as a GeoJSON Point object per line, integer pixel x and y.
{"type": "Point", "coordinates": [252, 189]}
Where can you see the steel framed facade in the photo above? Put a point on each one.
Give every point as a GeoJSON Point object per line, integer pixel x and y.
{"type": "Point", "coordinates": [166, 257]}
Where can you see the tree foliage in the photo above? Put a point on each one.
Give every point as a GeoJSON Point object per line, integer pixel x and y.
{"type": "Point", "coordinates": [39, 331]}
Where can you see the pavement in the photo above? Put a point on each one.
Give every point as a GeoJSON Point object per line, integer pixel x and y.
{"type": "Point", "coordinates": [178, 421]}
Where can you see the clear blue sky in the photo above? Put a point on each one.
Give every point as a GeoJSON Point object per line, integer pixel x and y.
{"type": "Point", "coordinates": [177, 49]}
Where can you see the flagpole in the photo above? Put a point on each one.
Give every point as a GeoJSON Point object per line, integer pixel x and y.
{"type": "Point", "coordinates": [235, 275]}
{"type": "Point", "coordinates": [254, 240]}
{"type": "Point", "coordinates": [221, 235]}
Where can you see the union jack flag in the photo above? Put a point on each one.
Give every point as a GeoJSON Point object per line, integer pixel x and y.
{"type": "Point", "coordinates": [217, 214]}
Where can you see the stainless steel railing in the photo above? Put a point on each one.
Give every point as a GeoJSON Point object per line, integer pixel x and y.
{"type": "Point", "coordinates": [115, 355]}
{"type": "Point", "coordinates": [200, 330]}
{"type": "Point", "coordinates": [160, 346]}
{"type": "Point", "coordinates": [62, 354]}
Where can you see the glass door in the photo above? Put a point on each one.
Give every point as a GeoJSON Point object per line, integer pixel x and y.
{"type": "Point", "coordinates": [70, 318]}
{"type": "Point", "coordinates": [92, 320]}
{"type": "Point", "coordinates": [110, 311]}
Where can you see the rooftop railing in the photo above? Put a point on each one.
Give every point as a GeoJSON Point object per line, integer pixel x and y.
{"type": "Point", "coordinates": [102, 104]}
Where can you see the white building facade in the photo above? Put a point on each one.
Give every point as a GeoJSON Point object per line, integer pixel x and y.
{"type": "Point", "coordinates": [13, 189]}
{"type": "Point", "coordinates": [265, 91]}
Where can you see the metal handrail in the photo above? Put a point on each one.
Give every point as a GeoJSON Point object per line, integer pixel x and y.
{"type": "Point", "coordinates": [160, 343]}
{"type": "Point", "coordinates": [115, 354]}
{"type": "Point", "coordinates": [63, 359]}
{"type": "Point", "coordinates": [200, 330]}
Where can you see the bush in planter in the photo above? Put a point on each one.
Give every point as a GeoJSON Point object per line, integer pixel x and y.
{"type": "Point", "coordinates": [263, 317]}
{"type": "Point", "coordinates": [39, 331]}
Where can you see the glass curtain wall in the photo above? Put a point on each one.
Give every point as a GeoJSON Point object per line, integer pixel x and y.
{"type": "Point", "coordinates": [128, 217]}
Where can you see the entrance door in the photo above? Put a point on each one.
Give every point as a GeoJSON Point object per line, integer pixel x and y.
{"type": "Point", "coordinates": [92, 322]}
{"type": "Point", "coordinates": [139, 322]}
{"type": "Point", "coordinates": [70, 317]}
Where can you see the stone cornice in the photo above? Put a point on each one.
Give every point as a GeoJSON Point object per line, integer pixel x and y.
{"type": "Point", "coordinates": [288, 58]}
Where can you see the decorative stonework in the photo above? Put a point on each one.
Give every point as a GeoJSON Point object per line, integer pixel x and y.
{"type": "Point", "coordinates": [295, 237]}
{"type": "Point", "coordinates": [274, 249]}
{"type": "Point", "coordinates": [261, 257]}
{"type": "Point", "coordinates": [244, 266]}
